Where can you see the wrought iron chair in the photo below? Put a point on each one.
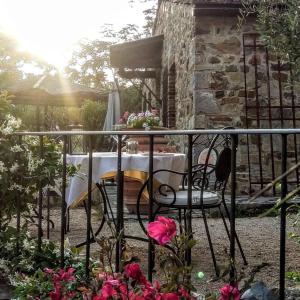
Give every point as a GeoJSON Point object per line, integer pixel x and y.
{"type": "Point", "coordinates": [208, 189]}
{"type": "Point", "coordinates": [102, 204]}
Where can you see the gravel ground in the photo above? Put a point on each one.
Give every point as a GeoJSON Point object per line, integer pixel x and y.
{"type": "Point", "coordinates": [259, 238]}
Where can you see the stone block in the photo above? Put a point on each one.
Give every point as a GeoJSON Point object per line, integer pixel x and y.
{"type": "Point", "coordinates": [220, 94]}
{"type": "Point", "coordinates": [244, 69]}
{"type": "Point", "coordinates": [229, 59]}
{"type": "Point", "coordinates": [255, 59]}
{"type": "Point", "coordinates": [219, 81]}
{"type": "Point", "coordinates": [231, 45]}
{"type": "Point", "coordinates": [201, 80]}
{"type": "Point", "coordinates": [205, 102]}
{"type": "Point", "coordinates": [200, 121]}
{"type": "Point", "coordinates": [284, 77]}
{"type": "Point", "coordinates": [214, 60]}
{"type": "Point", "coordinates": [236, 77]}
{"type": "Point", "coordinates": [200, 29]}
{"type": "Point", "coordinates": [230, 100]}
{"type": "Point", "coordinates": [231, 68]}
{"type": "Point", "coordinates": [251, 94]}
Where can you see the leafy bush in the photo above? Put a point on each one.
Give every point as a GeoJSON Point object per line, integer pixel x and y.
{"type": "Point", "coordinates": [279, 26]}
{"type": "Point", "coordinates": [23, 172]}
{"type": "Point", "coordinates": [93, 115]}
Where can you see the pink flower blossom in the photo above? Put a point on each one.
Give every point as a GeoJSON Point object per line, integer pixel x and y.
{"type": "Point", "coordinates": [99, 298]}
{"type": "Point", "coordinates": [229, 292]}
{"type": "Point", "coordinates": [134, 272]}
{"type": "Point", "coordinates": [108, 291]}
{"type": "Point", "coordinates": [162, 230]}
{"type": "Point", "coordinates": [48, 270]}
{"type": "Point", "coordinates": [167, 296]}
{"type": "Point", "coordinates": [68, 275]}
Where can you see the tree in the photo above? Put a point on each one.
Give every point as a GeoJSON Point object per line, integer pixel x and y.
{"type": "Point", "coordinates": [89, 62]}
{"type": "Point", "coordinates": [278, 22]}
{"type": "Point", "coordinates": [13, 61]}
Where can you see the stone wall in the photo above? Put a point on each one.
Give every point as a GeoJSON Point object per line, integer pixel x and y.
{"type": "Point", "coordinates": [218, 76]}
{"type": "Point", "coordinates": [176, 22]}
{"type": "Point", "coordinates": [219, 94]}
{"type": "Point", "coordinates": [208, 55]}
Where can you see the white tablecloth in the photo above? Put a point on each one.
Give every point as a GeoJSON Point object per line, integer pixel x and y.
{"type": "Point", "coordinates": [105, 162]}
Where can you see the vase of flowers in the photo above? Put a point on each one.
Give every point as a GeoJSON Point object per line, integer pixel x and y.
{"type": "Point", "coordinates": [146, 121]}
{"type": "Point", "coordinates": [143, 120]}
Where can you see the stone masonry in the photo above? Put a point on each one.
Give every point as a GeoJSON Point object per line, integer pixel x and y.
{"type": "Point", "coordinates": [207, 52]}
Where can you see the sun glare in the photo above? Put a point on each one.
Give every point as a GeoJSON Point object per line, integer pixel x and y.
{"type": "Point", "coordinates": [50, 29]}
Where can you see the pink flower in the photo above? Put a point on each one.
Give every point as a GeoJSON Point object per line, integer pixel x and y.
{"type": "Point", "coordinates": [155, 112]}
{"type": "Point", "coordinates": [134, 272]}
{"type": "Point", "coordinates": [68, 275]}
{"type": "Point", "coordinates": [113, 282]}
{"type": "Point", "coordinates": [162, 230]}
{"type": "Point", "coordinates": [184, 293]}
{"type": "Point", "coordinates": [108, 291]}
{"type": "Point", "coordinates": [167, 296]}
{"type": "Point", "coordinates": [229, 292]}
{"type": "Point", "coordinates": [99, 298]}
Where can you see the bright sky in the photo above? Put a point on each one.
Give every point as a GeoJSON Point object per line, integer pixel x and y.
{"type": "Point", "coordinates": [51, 28]}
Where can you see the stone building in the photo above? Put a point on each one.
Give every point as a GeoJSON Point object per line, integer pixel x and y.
{"type": "Point", "coordinates": [204, 71]}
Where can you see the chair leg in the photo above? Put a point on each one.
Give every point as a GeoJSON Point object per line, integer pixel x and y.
{"type": "Point", "coordinates": [210, 243]}
{"type": "Point", "coordinates": [180, 220]}
{"type": "Point", "coordinates": [236, 237]}
{"type": "Point", "coordinates": [184, 218]}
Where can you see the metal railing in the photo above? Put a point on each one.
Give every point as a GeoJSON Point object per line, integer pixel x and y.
{"type": "Point", "coordinates": [234, 134]}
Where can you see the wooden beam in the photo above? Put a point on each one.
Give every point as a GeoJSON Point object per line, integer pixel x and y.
{"type": "Point", "coordinates": [137, 74]}
{"type": "Point", "coordinates": [217, 9]}
{"type": "Point", "coordinates": [144, 53]}
{"type": "Point", "coordinates": [55, 100]}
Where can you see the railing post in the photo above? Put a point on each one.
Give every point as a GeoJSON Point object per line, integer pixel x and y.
{"type": "Point", "coordinates": [283, 217]}
{"type": "Point", "coordinates": [189, 210]}
{"type": "Point", "coordinates": [120, 208]}
{"type": "Point", "coordinates": [88, 210]}
{"type": "Point", "coordinates": [63, 204]}
{"type": "Point", "coordinates": [234, 143]}
{"type": "Point", "coordinates": [40, 200]}
{"type": "Point", "coordinates": [19, 201]}
{"type": "Point", "coordinates": [151, 247]}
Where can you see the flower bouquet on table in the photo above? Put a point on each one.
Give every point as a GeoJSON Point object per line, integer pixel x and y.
{"type": "Point", "coordinates": [143, 120]}
{"type": "Point", "coordinates": [148, 120]}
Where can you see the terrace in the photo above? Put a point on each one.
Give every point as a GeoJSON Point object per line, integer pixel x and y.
{"type": "Point", "coordinates": [258, 236]}
{"type": "Point", "coordinates": [99, 201]}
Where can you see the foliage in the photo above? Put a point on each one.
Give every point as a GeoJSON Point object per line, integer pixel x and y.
{"type": "Point", "coordinates": [30, 270]}
{"type": "Point", "coordinates": [56, 117]}
{"type": "Point", "coordinates": [68, 283]}
{"type": "Point", "coordinates": [12, 62]}
{"type": "Point", "coordinates": [93, 115]}
{"type": "Point", "coordinates": [23, 171]}
{"type": "Point", "coordinates": [287, 200]}
{"type": "Point", "coordinates": [278, 23]}
{"type": "Point", "coordinates": [130, 98]}
{"type": "Point", "coordinates": [50, 284]}
{"type": "Point", "coordinates": [18, 253]}
{"type": "Point", "coordinates": [89, 62]}
{"type": "Point", "coordinates": [149, 15]}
